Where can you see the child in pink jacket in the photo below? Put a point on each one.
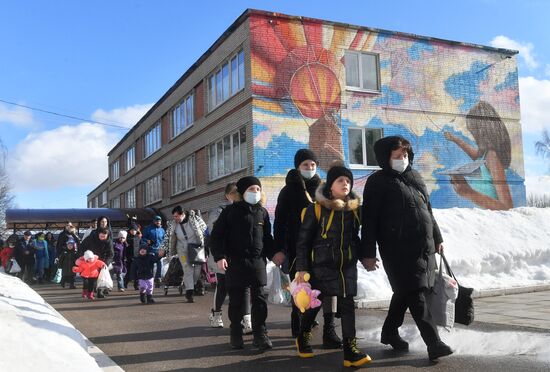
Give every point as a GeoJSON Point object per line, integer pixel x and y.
{"type": "Point", "coordinates": [89, 267]}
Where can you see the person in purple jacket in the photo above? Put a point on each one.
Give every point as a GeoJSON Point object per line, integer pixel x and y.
{"type": "Point", "coordinates": [119, 259]}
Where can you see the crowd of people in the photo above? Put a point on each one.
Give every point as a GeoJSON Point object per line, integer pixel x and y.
{"type": "Point", "coordinates": [321, 231]}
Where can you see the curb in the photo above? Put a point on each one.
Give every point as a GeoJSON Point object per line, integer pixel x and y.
{"type": "Point", "coordinates": [381, 304]}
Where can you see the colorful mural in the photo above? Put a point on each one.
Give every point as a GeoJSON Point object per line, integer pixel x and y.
{"type": "Point", "coordinates": [458, 105]}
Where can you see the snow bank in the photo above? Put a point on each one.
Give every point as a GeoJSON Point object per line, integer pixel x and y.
{"type": "Point", "coordinates": [35, 336]}
{"type": "Point", "coordinates": [486, 250]}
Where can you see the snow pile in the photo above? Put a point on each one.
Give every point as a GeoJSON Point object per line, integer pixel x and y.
{"type": "Point", "coordinates": [34, 336]}
{"type": "Point", "coordinates": [485, 249]}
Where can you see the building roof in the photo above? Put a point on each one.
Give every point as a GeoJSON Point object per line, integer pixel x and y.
{"type": "Point", "coordinates": [249, 12]}
{"type": "Point", "coordinates": [43, 219]}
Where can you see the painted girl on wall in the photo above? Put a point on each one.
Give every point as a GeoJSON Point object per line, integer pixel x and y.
{"type": "Point", "coordinates": [494, 154]}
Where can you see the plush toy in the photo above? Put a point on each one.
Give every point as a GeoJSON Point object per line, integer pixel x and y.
{"type": "Point", "coordinates": [304, 297]}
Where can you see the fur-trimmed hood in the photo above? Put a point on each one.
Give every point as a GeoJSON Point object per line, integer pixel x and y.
{"type": "Point", "coordinates": [353, 202]}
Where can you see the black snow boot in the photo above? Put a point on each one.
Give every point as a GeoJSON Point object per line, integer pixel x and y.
{"type": "Point", "coordinates": [189, 296]}
{"type": "Point", "coordinates": [150, 299]}
{"type": "Point", "coordinates": [303, 345]}
{"type": "Point", "coordinates": [142, 298]}
{"type": "Point", "coordinates": [395, 341]}
{"type": "Point", "coordinates": [236, 337]}
{"type": "Point", "coordinates": [353, 357]}
{"type": "Point", "coordinates": [330, 338]}
{"type": "Point", "coordinates": [262, 341]}
{"type": "Point", "coordinates": [438, 350]}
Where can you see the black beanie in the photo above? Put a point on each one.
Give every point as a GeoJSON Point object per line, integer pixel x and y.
{"type": "Point", "coordinates": [302, 155]}
{"type": "Point", "coordinates": [245, 182]}
{"type": "Point", "coordinates": [335, 172]}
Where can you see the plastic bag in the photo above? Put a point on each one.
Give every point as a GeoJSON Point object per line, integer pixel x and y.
{"type": "Point", "coordinates": [15, 268]}
{"type": "Point", "coordinates": [441, 301]}
{"type": "Point", "coordinates": [104, 279]}
{"type": "Point", "coordinates": [279, 293]}
{"type": "Point", "coordinates": [164, 261]}
{"type": "Point", "coordinates": [57, 277]}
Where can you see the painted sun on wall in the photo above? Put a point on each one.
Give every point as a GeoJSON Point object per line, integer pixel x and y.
{"type": "Point", "coordinates": [336, 89]}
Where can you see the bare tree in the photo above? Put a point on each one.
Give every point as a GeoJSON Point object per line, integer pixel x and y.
{"type": "Point", "coordinates": [6, 198]}
{"type": "Point", "coordinates": [543, 147]}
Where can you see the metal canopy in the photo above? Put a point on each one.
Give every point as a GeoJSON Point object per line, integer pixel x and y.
{"type": "Point", "coordinates": [53, 219]}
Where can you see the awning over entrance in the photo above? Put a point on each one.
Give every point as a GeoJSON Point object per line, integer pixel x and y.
{"type": "Point", "coordinates": [56, 219]}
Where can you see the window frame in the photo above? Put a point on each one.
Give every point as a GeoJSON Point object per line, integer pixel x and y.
{"type": "Point", "coordinates": [219, 161]}
{"type": "Point", "coordinates": [365, 164]}
{"type": "Point", "coordinates": [130, 164]}
{"type": "Point", "coordinates": [156, 138]}
{"type": "Point", "coordinates": [185, 113]}
{"type": "Point", "coordinates": [217, 77]}
{"type": "Point", "coordinates": [103, 200]}
{"type": "Point", "coordinates": [360, 72]}
{"type": "Point", "coordinates": [115, 200]}
{"type": "Point", "coordinates": [115, 170]}
{"type": "Point", "coordinates": [150, 182]}
{"type": "Point", "coordinates": [132, 192]}
{"type": "Point", "coordinates": [187, 167]}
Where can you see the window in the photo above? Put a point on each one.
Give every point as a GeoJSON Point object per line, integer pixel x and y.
{"type": "Point", "coordinates": [152, 140]}
{"type": "Point", "coordinates": [90, 203]}
{"type": "Point", "coordinates": [183, 175]}
{"type": "Point", "coordinates": [130, 197]}
{"type": "Point", "coordinates": [361, 146]}
{"type": "Point", "coordinates": [182, 116]}
{"type": "Point", "coordinates": [103, 199]}
{"type": "Point", "coordinates": [115, 202]}
{"type": "Point", "coordinates": [115, 171]}
{"type": "Point", "coordinates": [153, 190]}
{"type": "Point", "coordinates": [228, 155]}
{"type": "Point", "coordinates": [130, 158]}
{"type": "Point", "coordinates": [226, 81]}
{"type": "Point", "coordinates": [362, 70]}
{"type": "Point", "coordinates": [95, 202]}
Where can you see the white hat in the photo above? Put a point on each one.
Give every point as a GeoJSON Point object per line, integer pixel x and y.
{"type": "Point", "coordinates": [88, 255]}
{"type": "Point", "coordinates": [122, 234]}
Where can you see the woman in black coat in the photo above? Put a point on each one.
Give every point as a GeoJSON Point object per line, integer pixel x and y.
{"type": "Point", "coordinates": [397, 215]}
{"type": "Point", "coordinates": [301, 183]}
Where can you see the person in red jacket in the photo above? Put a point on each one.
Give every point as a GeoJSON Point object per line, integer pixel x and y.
{"type": "Point", "coordinates": [7, 251]}
{"type": "Point", "coordinates": [88, 266]}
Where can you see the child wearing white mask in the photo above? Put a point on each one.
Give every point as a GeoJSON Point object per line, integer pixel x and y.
{"type": "Point", "coordinates": [241, 241]}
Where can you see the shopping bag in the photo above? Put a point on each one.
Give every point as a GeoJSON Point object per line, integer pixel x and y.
{"type": "Point", "coordinates": [104, 279]}
{"type": "Point", "coordinates": [279, 293]}
{"type": "Point", "coordinates": [15, 268]}
{"type": "Point", "coordinates": [164, 261]}
{"type": "Point", "coordinates": [196, 254]}
{"type": "Point", "coordinates": [441, 300]}
{"type": "Point", "coordinates": [57, 277]}
{"type": "Point", "coordinates": [464, 305]}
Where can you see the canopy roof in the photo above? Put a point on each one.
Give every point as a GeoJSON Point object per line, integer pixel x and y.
{"type": "Point", "coordinates": [52, 219]}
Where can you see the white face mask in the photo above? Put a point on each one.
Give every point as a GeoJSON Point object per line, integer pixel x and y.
{"type": "Point", "coordinates": [252, 197]}
{"type": "Point", "coordinates": [399, 165]}
{"type": "Point", "coordinates": [307, 174]}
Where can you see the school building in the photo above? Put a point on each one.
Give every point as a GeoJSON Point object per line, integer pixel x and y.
{"type": "Point", "coordinates": [273, 83]}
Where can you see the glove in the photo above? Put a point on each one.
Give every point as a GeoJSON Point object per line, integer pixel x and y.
{"type": "Point", "coordinates": [56, 261]}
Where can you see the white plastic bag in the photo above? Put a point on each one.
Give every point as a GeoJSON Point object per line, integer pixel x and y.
{"type": "Point", "coordinates": [57, 277]}
{"type": "Point", "coordinates": [164, 261]}
{"type": "Point", "coordinates": [279, 293]}
{"type": "Point", "coordinates": [441, 301]}
{"type": "Point", "coordinates": [15, 268]}
{"type": "Point", "coordinates": [104, 279]}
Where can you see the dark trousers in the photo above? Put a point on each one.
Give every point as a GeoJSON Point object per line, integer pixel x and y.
{"type": "Point", "coordinates": [221, 292]}
{"type": "Point", "coordinates": [347, 312]}
{"type": "Point", "coordinates": [67, 279]}
{"type": "Point", "coordinates": [416, 303]}
{"type": "Point", "coordinates": [89, 284]}
{"type": "Point", "coordinates": [27, 270]}
{"type": "Point", "coordinates": [237, 309]}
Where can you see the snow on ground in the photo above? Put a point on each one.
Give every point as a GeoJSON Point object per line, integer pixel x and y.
{"type": "Point", "coordinates": [36, 337]}
{"type": "Point", "coordinates": [485, 249]}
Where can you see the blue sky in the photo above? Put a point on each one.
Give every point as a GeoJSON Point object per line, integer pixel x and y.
{"type": "Point", "coordinates": [108, 61]}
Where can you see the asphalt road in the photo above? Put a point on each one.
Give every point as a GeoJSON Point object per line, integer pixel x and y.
{"type": "Point", "coordinates": [173, 335]}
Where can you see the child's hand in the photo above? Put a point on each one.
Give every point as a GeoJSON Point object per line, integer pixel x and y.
{"type": "Point", "coordinates": [75, 269]}
{"type": "Point", "coordinates": [222, 264]}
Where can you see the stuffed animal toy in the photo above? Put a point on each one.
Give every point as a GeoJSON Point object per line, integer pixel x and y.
{"type": "Point", "coordinates": [304, 297]}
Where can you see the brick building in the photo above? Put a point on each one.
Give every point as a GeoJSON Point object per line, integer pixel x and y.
{"type": "Point", "coordinates": [274, 83]}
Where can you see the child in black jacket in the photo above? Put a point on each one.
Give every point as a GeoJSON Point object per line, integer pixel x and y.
{"type": "Point", "coordinates": [66, 261]}
{"type": "Point", "coordinates": [144, 265]}
{"type": "Point", "coordinates": [241, 241]}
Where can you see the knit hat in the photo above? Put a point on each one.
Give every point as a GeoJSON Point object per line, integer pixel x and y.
{"type": "Point", "coordinates": [302, 155]}
{"type": "Point", "coordinates": [157, 218]}
{"type": "Point", "coordinates": [143, 246]}
{"type": "Point", "coordinates": [245, 182]}
{"type": "Point", "coordinates": [122, 234]}
{"type": "Point", "coordinates": [70, 241]}
{"type": "Point", "coordinates": [335, 172]}
{"type": "Point", "coordinates": [88, 255]}
{"type": "Point", "coordinates": [133, 226]}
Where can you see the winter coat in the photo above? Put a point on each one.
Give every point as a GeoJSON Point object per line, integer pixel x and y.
{"type": "Point", "coordinates": [41, 254]}
{"type": "Point", "coordinates": [144, 266]}
{"type": "Point", "coordinates": [52, 251]}
{"type": "Point", "coordinates": [242, 235]}
{"type": "Point", "coordinates": [24, 252]}
{"type": "Point", "coordinates": [297, 194]}
{"type": "Point", "coordinates": [194, 227]}
{"type": "Point", "coordinates": [328, 247]}
{"type": "Point", "coordinates": [102, 248]}
{"type": "Point", "coordinates": [5, 255]}
{"type": "Point", "coordinates": [62, 241]}
{"type": "Point", "coordinates": [155, 235]}
{"type": "Point", "coordinates": [67, 259]}
{"type": "Point", "coordinates": [88, 269]}
{"type": "Point", "coordinates": [398, 216]}
{"type": "Point", "coordinates": [119, 257]}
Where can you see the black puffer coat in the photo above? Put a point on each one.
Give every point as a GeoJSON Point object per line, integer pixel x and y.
{"type": "Point", "coordinates": [103, 249]}
{"type": "Point", "coordinates": [330, 258]}
{"type": "Point", "coordinates": [397, 215]}
{"type": "Point", "coordinates": [296, 195]}
{"type": "Point", "coordinates": [242, 235]}
{"type": "Point", "coordinates": [67, 260]}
